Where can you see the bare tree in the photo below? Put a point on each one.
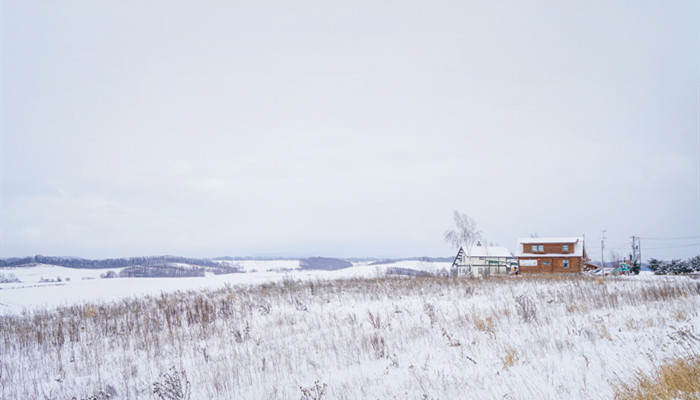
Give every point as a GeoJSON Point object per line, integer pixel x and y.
{"type": "Point", "coordinates": [464, 235]}
{"type": "Point", "coordinates": [616, 260]}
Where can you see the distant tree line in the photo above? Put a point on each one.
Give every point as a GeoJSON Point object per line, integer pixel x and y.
{"type": "Point", "coordinates": [225, 269]}
{"type": "Point", "coordinates": [160, 271]}
{"type": "Point", "coordinates": [74, 262]}
{"type": "Point", "coordinates": [323, 263]}
{"type": "Point", "coordinates": [675, 267]}
{"type": "Point", "coordinates": [168, 271]}
{"type": "Point", "coordinates": [383, 262]}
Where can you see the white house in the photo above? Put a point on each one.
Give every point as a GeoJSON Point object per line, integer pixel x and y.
{"type": "Point", "coordinates": [483, 260]}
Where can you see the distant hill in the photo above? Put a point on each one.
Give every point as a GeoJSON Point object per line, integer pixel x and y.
{"type": "Point", "coordinates": [75, 262]}
{"type": "Point", "coordinates": [216, 265]}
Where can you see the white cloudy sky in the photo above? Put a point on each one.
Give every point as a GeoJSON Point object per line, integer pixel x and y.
{"type": "Point", "coordinates": [346, 128]}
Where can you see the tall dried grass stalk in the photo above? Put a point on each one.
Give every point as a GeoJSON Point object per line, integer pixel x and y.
{"type": "Point", "coordinates": [675, 379]}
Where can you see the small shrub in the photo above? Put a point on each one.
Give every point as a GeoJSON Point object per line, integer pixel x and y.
{"type": "Point", "coordinates": [315, 392]}
{"type": "Point", "coordinates": [108, 393]}
{"type": "Point", "coordinates": [172, 386]}
{"type": "Point", "coordinates": [527, 310]}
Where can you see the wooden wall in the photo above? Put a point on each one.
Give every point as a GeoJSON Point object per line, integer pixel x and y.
{"type": "Point", "coordinates": [549, 248]}
{"type": "Point", "coordinates": [555, 264]}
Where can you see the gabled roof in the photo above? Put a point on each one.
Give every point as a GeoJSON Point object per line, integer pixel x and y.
{"type": "Point", "coordinates": [577, 241]}
{"type": "Point", "coordinates": [487, 251]}
{"type": "Point", "coordinates": [569, 239]}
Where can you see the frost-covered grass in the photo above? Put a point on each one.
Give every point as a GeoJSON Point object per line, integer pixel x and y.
{"type": "Point", "coordinates": [521, 337]}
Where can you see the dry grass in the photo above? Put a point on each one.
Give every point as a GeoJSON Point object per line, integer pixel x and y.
{"type": "Point", "coordinates": [635, 324]}
{"type": "Point", "coordinates": [510, 358]}
{"type": "Point", "coordinates": [603, 332]}
{"type": "Point", "coordinates": [267, 341]}
{"type": "Point", "coordinates": [675, 379]}
{"type": "Point", "coordinates": [483, 324]}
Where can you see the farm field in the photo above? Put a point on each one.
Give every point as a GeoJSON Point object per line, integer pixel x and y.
{"type": "Point", "coordinates": [39, 286]}
{"type": "Point", "coordinates": [349, 334]}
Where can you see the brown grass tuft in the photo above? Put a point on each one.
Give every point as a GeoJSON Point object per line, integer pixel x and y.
{"type": "Point", "coordinates": [676, 379]}
{"type": "Point", "coordinates": [510, 358]}
{"type": "Point", "coordinates": [483, 325]}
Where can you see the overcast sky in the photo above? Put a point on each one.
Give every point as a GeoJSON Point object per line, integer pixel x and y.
{"type": "Point", "coordinates": [347, 128]}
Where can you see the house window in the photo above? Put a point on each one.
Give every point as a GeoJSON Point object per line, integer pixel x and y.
{"type": "Point", "coordinates": [545, 263]}
{"type": "Point", "coordinates": [540, 248]}
{"type": "Point", "coordinates": [534, 248]}
{"type": "Point", "coordinates": [565, 264]}
{"type": "Point", "coordinates": [565, 248]}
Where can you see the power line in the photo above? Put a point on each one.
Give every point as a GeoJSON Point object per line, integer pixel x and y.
{"type": "Point", "coordinates": [609, 247]}
{"type": "Point", "coordinates": [661, 247]}
{"type": "Point", "coordinates": [648, 248]}
{"type": "Point", "coordinates": [672, 238]}
{"type": "Point", "coordinates": [673, 247]}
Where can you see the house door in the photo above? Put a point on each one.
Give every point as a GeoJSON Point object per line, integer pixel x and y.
{"type": "Point", "coordinates": [547, 265]}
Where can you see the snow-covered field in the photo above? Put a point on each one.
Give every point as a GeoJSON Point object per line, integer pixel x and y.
{"type": "Point", "coordinates": [281, 333]}
{"type": "Point", "coordinates": [39, 286]}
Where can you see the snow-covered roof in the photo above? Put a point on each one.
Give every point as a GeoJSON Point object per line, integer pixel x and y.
{"type": "Point", "coordinates": [577, 241]}
{"type": "Point", "coordinates": [569, 239]}
{"type": "Point", "coordinates": [487, 251]}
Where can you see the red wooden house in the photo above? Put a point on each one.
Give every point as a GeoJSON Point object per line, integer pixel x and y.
{"type": "Point", "coordinates": [546, 255]}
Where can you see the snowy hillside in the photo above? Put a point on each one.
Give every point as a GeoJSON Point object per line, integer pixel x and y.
{"type": "Point", "coordinates": [44, 285]}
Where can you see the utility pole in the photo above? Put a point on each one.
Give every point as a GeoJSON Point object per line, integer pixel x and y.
{"type": "Point", "coordinates": [639, 251]}
{"type": "Point", "coordinates": [636, 252]}
{"type": "Point", "coordinates": [602, 252]}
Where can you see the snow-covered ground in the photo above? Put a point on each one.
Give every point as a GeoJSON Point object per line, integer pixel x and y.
{"type": "Point", "coordinates": [39, 286]}
{"type": "Point", "coordinates": [274, 335]}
